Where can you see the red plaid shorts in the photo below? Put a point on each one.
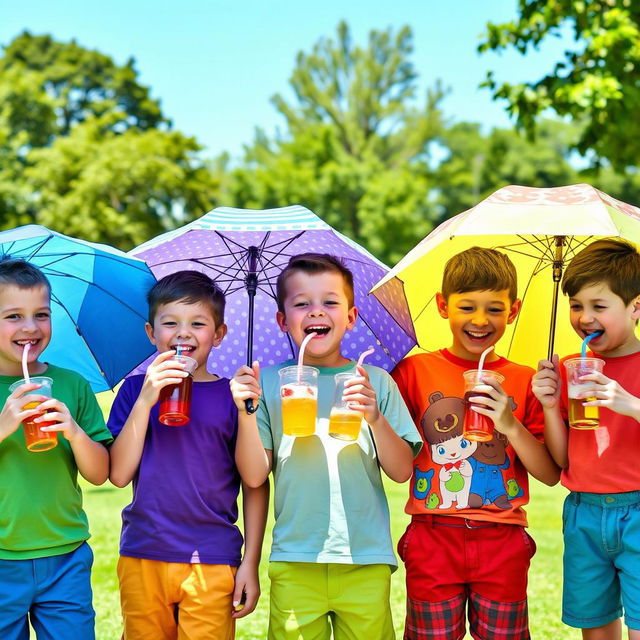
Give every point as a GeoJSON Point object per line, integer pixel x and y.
{"type": "Point", "coordinates": [451, 562]}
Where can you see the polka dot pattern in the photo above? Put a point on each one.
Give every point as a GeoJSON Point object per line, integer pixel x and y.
{"type": "Point", "coordinates": [223, 256]}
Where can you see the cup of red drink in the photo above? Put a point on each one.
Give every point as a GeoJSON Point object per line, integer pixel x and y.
{"type": "Point", "coordinates": [175, 399]}
{"type": "Point", "coordinates": [477, 427]}
{"type": "Point", "coordinates": [35, 438]}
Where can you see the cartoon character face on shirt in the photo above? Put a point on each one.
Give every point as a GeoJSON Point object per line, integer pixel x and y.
{"type": "Point", "coordinates": [451, 452]}
{"type": "Point", "coordinates": [494, 451]}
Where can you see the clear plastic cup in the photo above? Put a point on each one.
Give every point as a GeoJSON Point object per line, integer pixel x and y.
{"type": "Point", "coordinates": [581, 417]}
{"type": "Point", "coordinates": [477, 427]}
{"type": "Point", "coordinates": [299, 395]}
{"type": "Point", "coordinates": [35, 438]}
{"type": "Point", "coordinates": [344, 422]}
{"type": "Point", "coordinates": [175, 399]}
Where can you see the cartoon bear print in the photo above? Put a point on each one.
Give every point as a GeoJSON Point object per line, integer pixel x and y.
{"type": "Point", "coordinates": [488, 461]}
{"type": "Point", "coordinates": [442, 429]}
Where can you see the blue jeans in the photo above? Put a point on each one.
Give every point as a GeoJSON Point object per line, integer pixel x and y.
{"type": "Point", "coordinates": [54, 593]}
{"type": "Point", "coordinates": [601, 559]}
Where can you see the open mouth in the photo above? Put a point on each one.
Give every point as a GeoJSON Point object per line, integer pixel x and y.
{"type": "Point", "coordinates": [320, 330]}
{"type": "Point", "coordinates": [478, 335]}
{"type": "Point", "coordinates": [183, 348]}
{"type": "Point", "coordinates": [22, 343]}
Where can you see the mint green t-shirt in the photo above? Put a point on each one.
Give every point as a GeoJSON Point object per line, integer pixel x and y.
{"type": "Point", "coordinates": [40, 501]}
{"type": "Point", "coordinates": [329, 501]}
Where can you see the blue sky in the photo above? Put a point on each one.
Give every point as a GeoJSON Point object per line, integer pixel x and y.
{"type": "Point", "coordinates": [214, 64]}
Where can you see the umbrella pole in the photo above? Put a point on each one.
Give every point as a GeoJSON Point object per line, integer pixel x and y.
{"type": "Point", "coordinates": [251, 284]}
{"type": "Point", "coordinates": [558, 263]}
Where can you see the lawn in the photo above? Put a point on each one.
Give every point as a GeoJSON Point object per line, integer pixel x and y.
{"type": "Point", "coordinates": [103, 505]}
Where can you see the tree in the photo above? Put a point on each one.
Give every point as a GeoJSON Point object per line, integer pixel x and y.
{"type": "Point", "coordinates": [356, 148]}
{"type": "Point", "coordinates": [597, 83]}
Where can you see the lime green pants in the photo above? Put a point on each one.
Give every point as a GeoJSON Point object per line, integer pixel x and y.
{"type": "Point", "coordinates": [309, 599]}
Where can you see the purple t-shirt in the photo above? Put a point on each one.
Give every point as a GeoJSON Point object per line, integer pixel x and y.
{"type": "Point", "coordinates": [184, 505]}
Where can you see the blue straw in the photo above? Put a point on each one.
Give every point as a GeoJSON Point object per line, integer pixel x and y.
{"type": "Point", "coordinates": [585, 342]}
{"type": "Point", "coordinates": [179, 348]}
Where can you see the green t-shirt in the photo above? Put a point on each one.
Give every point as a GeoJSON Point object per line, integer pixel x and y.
{"type": "Point", "coordinates": [329, 501]}
{"type": "Point", "coordinates": [40, 501]}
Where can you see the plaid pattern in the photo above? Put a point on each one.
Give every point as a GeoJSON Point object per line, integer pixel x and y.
{"type": "Point", "coordinates": [490, 620]}
{"type": "Point", "coordinates": [435, 620]}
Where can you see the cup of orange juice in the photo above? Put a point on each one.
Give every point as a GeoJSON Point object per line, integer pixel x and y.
{"type": "Point", "coordinates": [344, 422]}
{"type": "Point", "coordinates": [35, 438]}
{"type": "Point", "coordinates": [299, 395]}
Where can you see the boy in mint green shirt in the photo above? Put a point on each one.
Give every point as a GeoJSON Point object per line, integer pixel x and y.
{"type": "Point", "coordinates": [332, 555]}
{"type": "Point", "coordinates": [45, 563]}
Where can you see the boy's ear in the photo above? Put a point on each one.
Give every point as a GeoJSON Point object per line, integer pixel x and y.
{"type": "Point", "coordinates": [441, 303]}
{"type": "Point", "coordinates": [282, 321]}
{"type": "Point", "coordinates": [150, 332]}
{"type": "Point", "coordinates": [514, 310]}
{"type": "Point", "coordinates": [635, 308]}
{"type": "Point", "coordinates": [221, 332]}
{"type": "Point", "coordinates": [352, 316]}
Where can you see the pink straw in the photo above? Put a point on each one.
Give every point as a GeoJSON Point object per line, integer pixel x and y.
{"type": "Point", "coordinates": [363, 355]}
{"type": "Point", "coordinates": [25, 366]}
{"type": "Point", "coordinates": [482, 357]}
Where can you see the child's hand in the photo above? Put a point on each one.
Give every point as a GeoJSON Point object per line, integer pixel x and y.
{"type": "Point", "coordinates": [162, 372]}
{"type": "Point", "coordinates": [610, 394]}
{"type": "Point", "coordinates": [245, 385]}
{"type": "Point", "coordinates": [545, 383]}
{"type": "Point", "coordinates": [361, 396]}
{"type": "Point", "coordinates": [246, 591]}
{"type": "Point", "coordinates": [497, 406]}
{"type": "Point", "coordinates": [57, 411]}
{"type": "Point", "coordinates": [13, 414]}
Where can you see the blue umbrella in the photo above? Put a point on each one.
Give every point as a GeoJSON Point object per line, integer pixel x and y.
{"type": "Point", "coordinates": [98, 302]}
{"type": "Point", "coordinates": [244, 250]}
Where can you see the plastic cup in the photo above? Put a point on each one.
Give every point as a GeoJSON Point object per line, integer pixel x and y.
{"type": "Point", "coordinates": [299, 394]}
{"type": "Point", "coordinates": [477, 427]}
{"type": "Point", "coordinates": [35, 438]}
{"type": "Point", "coordinates": [344, 422]}
{"type": "Point", "coordinates": [581, 417]}
{"type": "Point", "coordinates": [175, 399]}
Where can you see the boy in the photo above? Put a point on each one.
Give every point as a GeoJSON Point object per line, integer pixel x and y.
{"type": "Point", "coordinates": [601, 516]}
{"type": "Point", "coordinates": [45, 562]}
{"type": "Point", "coordinates": [332, 557]}
{"type": "Point", "coordinates": [180, 568]}
{"type": "Point", "coordinates": [466, 545]}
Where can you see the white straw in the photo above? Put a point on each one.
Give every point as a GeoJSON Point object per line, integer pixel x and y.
{"type": "Point", "coordinates": [482, 357]}
{"type": "Point", "coordinates": [25, 366]}
{"type": "Point", "coordinates": [302, 348]}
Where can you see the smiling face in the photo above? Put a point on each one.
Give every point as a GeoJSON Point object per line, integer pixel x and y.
{"type": "Point", "coordinates": [596, 308]}
{"type": "Point", "coordinates": [191, 327]}
{"type": "Point", "coordinates": [25, 317]}
{"type": "Point", "coordinates": [477, 319]}
{"type": "Point", "coordinates": [317, 303]}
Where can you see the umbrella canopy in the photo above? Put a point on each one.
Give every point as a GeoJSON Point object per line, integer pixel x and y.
{"type": "Point", "coordinates": [98, 302]}
{"type": "Point", "coordinates": [244, 250]}
{"type": "Point", "coordinates": [540, 230]}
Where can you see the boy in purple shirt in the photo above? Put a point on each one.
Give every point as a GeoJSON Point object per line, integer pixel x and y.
{"type": "Point", "coordinates": [180, 569]}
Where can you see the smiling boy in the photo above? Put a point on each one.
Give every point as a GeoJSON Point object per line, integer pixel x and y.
{"type": "Point", "coordinates": [332, 557]}
{"type": "Point", "coordinates": [466, 545]}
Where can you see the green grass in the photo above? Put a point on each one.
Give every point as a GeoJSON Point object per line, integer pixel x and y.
{"type": "Point", "coordinates": [103, 505]}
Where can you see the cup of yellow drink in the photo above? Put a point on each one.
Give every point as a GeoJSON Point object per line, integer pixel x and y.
{"type": "Point", "coordinates": [35, 438]}
{"type": "Point", "coordinates": [299, 395]}
{"type": "Point", "coordinates": [344, 422]}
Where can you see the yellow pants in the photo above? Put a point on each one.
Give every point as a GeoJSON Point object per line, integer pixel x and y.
{"type": "Point", "coordinates": [176, 601]}
{"type": "Point", "coordinates": [309, 601]}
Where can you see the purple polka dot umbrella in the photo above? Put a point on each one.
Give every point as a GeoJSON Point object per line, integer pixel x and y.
{"type": "Point", "coordinates": [244, 250]}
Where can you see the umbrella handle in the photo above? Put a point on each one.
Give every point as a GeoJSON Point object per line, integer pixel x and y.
{"type": "Point", "coordinates": [249, 406]}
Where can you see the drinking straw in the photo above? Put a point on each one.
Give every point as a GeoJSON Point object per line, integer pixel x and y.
{"type": "Point", "coordinates": [585, 342]}
{"type": "Point", "coordinates": [25, 367]}
{"type": "Point", "coordinates": [363, 355]}
{"type": "Point", "coordinates": [302, 348]}
{"type": "Point", "coordinates": [482, 357]}
{"type": "Point", "coordinates": [178, 349]}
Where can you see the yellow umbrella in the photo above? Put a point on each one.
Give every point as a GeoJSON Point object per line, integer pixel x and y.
{"type": "Point", "coordinates": [540, 230]}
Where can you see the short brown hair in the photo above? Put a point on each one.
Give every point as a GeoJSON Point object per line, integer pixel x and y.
{"type": "Point", "coordinates": [189, 287]}
{"type": "Point", "coordinates": [614, 262]}
{"type": "Point", "coordinates": [22, 274]}
{"type": "Point", "coordinates": [312, 263]}
{"type": "Point", "coordinates": [479, 269]}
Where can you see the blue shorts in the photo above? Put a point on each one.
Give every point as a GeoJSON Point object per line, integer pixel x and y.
{"type": "Point", "coordinates": [601, 559]}
{"type": "Point", "coordinates": [53, 593]}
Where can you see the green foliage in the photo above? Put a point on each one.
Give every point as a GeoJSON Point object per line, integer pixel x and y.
{"type": "Point", "coordinates": [597, 83]}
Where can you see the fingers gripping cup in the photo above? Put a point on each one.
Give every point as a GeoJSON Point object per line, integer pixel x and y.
{"type": "Point", "coordinates": [477, 427]}
{"type": "Point", "coordinates": [581, 417]}
{"type": "Point", "coordinates": [35, 438]}
{"type": "Point", "coordinates": [299, 394]}
{"type": "Point", "coordinates": [175, 399]}
{"type": "Point", "coordinates": [344, 422]}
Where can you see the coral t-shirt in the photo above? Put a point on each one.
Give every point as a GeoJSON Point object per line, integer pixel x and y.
{"type": "Point", "coordinates": [453, 476]}
{"type": "Point", "coordinates": [605, 460]}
